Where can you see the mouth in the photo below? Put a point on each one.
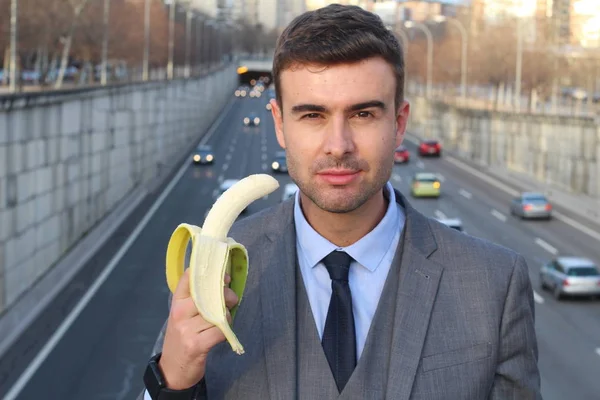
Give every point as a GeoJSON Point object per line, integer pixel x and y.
{"type": "Point", "coordinates": [338, 176]}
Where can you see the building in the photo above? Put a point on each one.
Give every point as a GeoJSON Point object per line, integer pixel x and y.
{"type": "Point", "coordinates": [584, 23]}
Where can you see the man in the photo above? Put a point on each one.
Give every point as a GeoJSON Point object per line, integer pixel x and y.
{"type": "Point", "coordinates": [352, 293]}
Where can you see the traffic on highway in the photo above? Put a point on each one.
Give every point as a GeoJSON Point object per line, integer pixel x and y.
{"type": "Point", "coordinates": [104, 352]}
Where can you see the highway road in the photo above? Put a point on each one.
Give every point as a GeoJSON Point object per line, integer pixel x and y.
{"type": "Point", "coordinates": [103, 352]}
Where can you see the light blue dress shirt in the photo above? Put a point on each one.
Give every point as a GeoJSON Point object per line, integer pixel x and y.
{"type": "Point", "coordinates": [373, 255]}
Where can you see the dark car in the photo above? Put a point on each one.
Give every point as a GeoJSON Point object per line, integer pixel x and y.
{"type": "Point", "coordinates": [401, 155]}
{"type": "Point", "coordinates": [251, 120]}
{"type": "Point", "coordinates": [203, 155]}
{"type": "Point", "coordinates": [430, 148]}
{"type": "Point", "coordinates": [279, 163]}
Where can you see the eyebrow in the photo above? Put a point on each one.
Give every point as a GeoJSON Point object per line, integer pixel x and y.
{"type": "Point", "coordinates": [354, 107]}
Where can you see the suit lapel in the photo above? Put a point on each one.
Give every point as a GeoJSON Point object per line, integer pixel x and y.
{"type": "Point", "coordinates": [278, 304]}
{"type": "Point", "coordinates": [419, 281]}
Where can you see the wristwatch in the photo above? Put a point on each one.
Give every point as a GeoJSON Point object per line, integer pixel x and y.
{"type": "Point", "coordinates": [156, 385]}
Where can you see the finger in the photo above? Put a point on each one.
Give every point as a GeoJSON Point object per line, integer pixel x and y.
{"type": "Point", "coordinates": [227, 279]}
{"type": "Point", "coordinates": [212, 337]}
{"type": "Point", "coordinates": [229, 318]}
{"type": "Point", "coordinates": [183, 309]}
{"type": "Point", "coordinates": [183, 286]}
{"type": "Point", "coordinates": [231, 298]}
{"type": "Point", "coordinates": [199, 324]}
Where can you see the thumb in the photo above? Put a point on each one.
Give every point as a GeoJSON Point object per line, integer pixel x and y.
{"type": "Point", "coordinates": [182, 291]}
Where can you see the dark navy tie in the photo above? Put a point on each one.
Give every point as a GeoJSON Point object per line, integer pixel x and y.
{"type": "Point", "coordinates": [339, 338]}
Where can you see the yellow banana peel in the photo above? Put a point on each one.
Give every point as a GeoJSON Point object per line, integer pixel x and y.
{"type": "Point", "coordinates": [214, 254]}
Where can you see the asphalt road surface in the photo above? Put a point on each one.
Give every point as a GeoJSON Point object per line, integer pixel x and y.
{"type": "Point", "coordinates": [103, 353]}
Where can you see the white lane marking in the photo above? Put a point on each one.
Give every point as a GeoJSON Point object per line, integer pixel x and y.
{"type": "Point", "coordinates": [546, 246]}
{"type": "Point", "coordinates": [214, 193]}
{"type": "Point", "coordinates": [264, 167]}
{"type": "Point", "coordinates": [464, 193]}
{"type": "Point", "coordinates": [538, 298]}
{"type": "Point", "coordinates": [499, 215]}
{"type": "Point", "coordinates": [264, 157]}
{"type": "Point", "coordinates": [420, 164]}
{"type": "Point", "coordinates": [263, 148]}
{"type": "Point", "coordinates": [576, 225]}
{"type": "Point", "coordinates": [265, 197]}
{"type": "Point", "coordinates": [87, 297]}
{"type": "Point", "coordinates": [225, 167]}
{"type": "Point", "coordinates": [567, 220]}
{"type": "Point", "coordinates": [220, 178]}
{"type": "Point", "coordinates": [440, 215]}
{"type": "Point", "coordinates": [598, 350]}
{"type": "Point", "coordinates": [231, 148]}
{"type": "Point", "coordinates": [397, 177]}
{"type": "Point", "coordinates": [228, 157]}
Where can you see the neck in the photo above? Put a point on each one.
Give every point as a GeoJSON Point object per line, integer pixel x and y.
{"type": "Point", "coordinates": [344, 229]}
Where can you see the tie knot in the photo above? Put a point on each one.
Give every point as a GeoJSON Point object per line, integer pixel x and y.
{"type": "Point", "coordinates": [338, 265]}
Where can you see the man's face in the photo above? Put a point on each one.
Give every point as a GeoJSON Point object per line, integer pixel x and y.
{"type": "Point", "coordinates": [339, 127]}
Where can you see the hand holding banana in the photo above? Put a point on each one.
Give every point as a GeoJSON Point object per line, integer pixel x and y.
{"type": "Point", "coordinates": [206, 295]}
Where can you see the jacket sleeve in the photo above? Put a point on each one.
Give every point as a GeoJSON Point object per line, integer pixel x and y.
{"type": "Point", "coordinates": [517, 374]}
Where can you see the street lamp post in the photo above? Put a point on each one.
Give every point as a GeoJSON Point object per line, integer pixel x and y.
{"type": "Point", "coordinates": [103, 76]}
{"type": "Point", "coordinates": [171, 39]}
{"type": "Point", "coordinates": [13, 46]}
{"type": "Point", "coordinates": [146, 40]}
{"type": "Point", "coordinates": [463, 57]}
{"type": "Point", "coordinates": [428, 34]}
{"type": "Point", "coordinates": [188, 41]}
{"type": "Point", "coordinates": [519, 65]}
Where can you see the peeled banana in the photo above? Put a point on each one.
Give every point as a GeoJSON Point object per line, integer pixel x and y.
{"type": "Point", "coordinates": [214, 254]}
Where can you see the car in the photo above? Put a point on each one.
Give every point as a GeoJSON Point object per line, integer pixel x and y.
{"type": "Point", "coordinates": [279, 163]}
{"type": "Point", "coordinates": [227, 183]}
{"type": "Point", "coordinates": [570, 276]}
{"type": "Point", "coordinates": [268, 106]}
{"type": "Point", "coordinates": [251, 120]}
{"type": "Point", "coordinates": [454, 223]}
{"type": "Point", "coordinates": [425, 184]}
{"type": "Point", "coordinates": [430, 148]}
{"type": "Point", "coordinates": [288, 191]}
{"type": "Point", "coordinates": [531, 205]}
{"type": "Point", "coordinates": [401, 155]}
{"type": "Point", "coordinates": [203, 155]}
{"type": "Point", "coordinates": [242, 91]}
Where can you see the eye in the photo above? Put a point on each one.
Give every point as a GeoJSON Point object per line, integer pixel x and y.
{"type": "Point", "coordinates": [364, 114]}
{"type": "Point", "coordinates": [310, 116]}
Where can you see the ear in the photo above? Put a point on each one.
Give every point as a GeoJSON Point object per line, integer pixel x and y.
{"type": "Point", "coordinates": [401, 121]}
{"type": "Point", "coordinates": [277, 114]}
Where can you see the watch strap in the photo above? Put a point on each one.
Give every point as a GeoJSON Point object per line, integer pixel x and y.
{"type": "Point", "coordinates": [156, 385]}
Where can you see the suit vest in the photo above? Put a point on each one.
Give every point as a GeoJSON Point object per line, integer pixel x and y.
{"type": "Point", "coordinates": [369, 379]}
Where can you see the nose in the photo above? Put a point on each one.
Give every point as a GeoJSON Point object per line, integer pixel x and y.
{"type": "Point", "coordinates": [339, 139]}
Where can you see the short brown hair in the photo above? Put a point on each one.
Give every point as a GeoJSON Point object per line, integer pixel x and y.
{"type": "Point", "coordinates": [337, 34]}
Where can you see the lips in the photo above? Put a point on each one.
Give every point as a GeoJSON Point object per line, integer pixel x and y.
{"type": "Point", "coordinates": [338, 177]}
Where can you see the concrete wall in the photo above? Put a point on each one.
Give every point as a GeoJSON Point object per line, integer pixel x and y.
{"type": "Point", "coordinates": [562, 151]}
{"type": "Point", "coordinates": [68, 159]}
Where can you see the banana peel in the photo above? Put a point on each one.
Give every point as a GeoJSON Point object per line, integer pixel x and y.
{"type": "Point", "coordinates": [214, 254]}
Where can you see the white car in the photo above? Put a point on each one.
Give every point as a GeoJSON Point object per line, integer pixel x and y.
{"type": "Point", "coordinates": [453, 223]}
{"type": "Point", "coordinates": [288, 191]}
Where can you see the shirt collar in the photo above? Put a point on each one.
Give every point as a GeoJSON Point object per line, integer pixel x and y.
{"type": "Point", "coordinates": [368, 251]}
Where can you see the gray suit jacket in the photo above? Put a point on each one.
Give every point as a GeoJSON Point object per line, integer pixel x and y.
{"type": "Point", "coordinates": [463, 326]}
